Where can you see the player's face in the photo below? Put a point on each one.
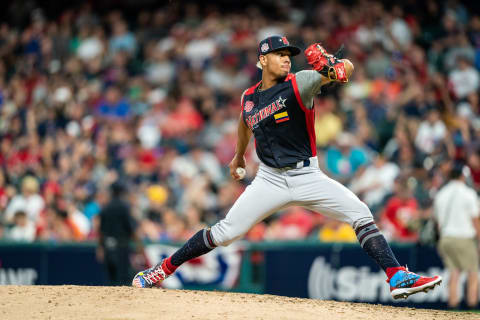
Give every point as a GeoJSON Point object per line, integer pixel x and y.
{"type": "Point", "coordinates": [278, 63]}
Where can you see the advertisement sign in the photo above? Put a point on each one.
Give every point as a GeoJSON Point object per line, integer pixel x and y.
{"type": "Point", "coordinates": [362, 284]}
{"type": "Point", "coordinates": [20, 265]}
{"type": "Point", "coordinates": [18, 276]}
{"type": "Point", "coordinates": [346, 273]}
{"type": "Point", "coordinates": [28, 264]}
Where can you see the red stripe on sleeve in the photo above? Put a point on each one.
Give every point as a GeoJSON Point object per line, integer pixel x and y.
{"type": "Point", "coordinates": [309, 116]}
{"type": "Point", "coordinates": [241, 103]}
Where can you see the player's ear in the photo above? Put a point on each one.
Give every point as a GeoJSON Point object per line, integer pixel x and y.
{"type": "Point", "coordinates": [263, 60]}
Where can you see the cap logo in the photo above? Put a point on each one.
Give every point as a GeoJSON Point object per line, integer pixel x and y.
{"type": "Point", "coordinates": [249, 106]}
{"type": "Point", "coordinates": [285, 41]}
{"type": "Point", "coordinates": [264, 47]}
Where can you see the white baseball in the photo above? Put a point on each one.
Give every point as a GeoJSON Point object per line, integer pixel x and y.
{"type": "Point", "coordinates": [241, 172]}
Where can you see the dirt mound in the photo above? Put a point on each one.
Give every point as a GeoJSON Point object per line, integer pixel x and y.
{"type": "Point", "coordinates": [122, 303]}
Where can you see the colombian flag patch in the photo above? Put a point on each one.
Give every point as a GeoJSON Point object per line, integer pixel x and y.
{"type": "Point", "coordinates": [281, 117]}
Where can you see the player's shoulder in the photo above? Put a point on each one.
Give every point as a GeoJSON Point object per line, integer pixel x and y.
{"type": "Point", "coordinates": [290, 76]}
{"type": "Point", "coordinates": [248, 91]}
{"type": "Point", "coordinates": [305, 73]}
{"type": "Point", "coordinates": [308, 75]}
{"type": "Point", "coordinates": [301, 74]}
{"type": "Point", "coordinates": [251, 90]}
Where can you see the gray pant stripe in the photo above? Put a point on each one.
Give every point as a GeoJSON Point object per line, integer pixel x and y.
{"type": "Point", "coordinates": [365, 230]}
{"type": "Point", "coordinates": [369, 237]}
{"type": "Point", "coordinates": [206, 240]}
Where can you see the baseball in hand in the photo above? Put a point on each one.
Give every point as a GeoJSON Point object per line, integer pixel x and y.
{"type": "Point", "coordinates": [241, 172]}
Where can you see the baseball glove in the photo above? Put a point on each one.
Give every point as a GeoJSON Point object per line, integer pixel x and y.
{"type": "Point", "coordinates": [327, 64]}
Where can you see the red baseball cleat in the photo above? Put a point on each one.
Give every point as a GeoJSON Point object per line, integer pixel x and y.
{"type": "Point", "coordinates": [404, 283]}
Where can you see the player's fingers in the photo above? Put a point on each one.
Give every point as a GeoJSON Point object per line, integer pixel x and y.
{"type": "Point", "coordinates": [234, 175]}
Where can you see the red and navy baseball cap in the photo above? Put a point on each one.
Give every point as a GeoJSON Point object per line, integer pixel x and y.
{"type": "Point", "coordinates": [275, 43]}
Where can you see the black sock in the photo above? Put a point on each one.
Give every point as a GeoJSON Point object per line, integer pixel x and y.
{"type": "Point", "coordinates": [375, 245]}
{"type": "Point", "coordinates": [196, 246]}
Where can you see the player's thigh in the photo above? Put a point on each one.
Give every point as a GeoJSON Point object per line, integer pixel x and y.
{"type": "Point", "coordinates": [329, 197]}
{"type": "Point", "coordinates": [259, 200]}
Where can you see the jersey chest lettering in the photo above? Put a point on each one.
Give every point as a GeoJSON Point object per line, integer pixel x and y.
{"type": "Point", "coordinates": [258, 115]}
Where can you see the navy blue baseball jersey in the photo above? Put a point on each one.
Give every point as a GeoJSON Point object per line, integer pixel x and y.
{"type": "Point", "coordinates": [282, 125]}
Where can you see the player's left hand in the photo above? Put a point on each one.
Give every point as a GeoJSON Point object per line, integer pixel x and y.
{"type": "Point", "coordinates": [317, 57]}
{"type": "Point", "coordinates": [327, 64]}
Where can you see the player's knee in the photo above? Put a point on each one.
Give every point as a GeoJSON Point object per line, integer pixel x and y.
{"type": "Point", "coordinates": [365, 211]}
{"type": "Point", "coordinates": [227, 242]}
{"type": "Point", "coordinates": [364, 215]}
{"type": "Point", "coordinates": [224, 233]}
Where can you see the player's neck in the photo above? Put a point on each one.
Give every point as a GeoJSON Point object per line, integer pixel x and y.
{"type": "Point", "coordinates": [268, 81]}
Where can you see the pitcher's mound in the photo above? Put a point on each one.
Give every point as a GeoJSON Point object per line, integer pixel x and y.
{"type": "Point", "coordinates": [122, 303]}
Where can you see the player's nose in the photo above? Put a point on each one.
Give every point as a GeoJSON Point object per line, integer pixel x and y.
{"type": "Point", "coordinates": [285, 59]}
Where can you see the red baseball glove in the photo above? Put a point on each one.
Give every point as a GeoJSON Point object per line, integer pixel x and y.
{"type": "Point", "coordinates": [327, 64]}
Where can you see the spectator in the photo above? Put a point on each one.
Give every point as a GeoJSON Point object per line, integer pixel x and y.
{"type": "Point", "coordinates": [23, 229]}
{"type": "Point", "coordinates": [375, 181]}
{"type": "Point", "coordinates": [336, 231]}
{"type": "Point", "coordinates": [3, 192]}
{"type": "Point", "coordinates": [431, 133]}
{"type": "Point", "coordinates": [345, 158]}
{"type": "Point", "coordinates": [114, 106]}
{"type": "Point", "coordinates": [208, 163]}
{"type": "Point", "coordinates": [400, 215]}
{"type": "Point", "coordinates": [464, 79]}
{"type": "Point", "coordinates": [29, 201]}
{"type": "Point", "coordinates": [122, 39]}
{"type": "Point", "coordinates": [463, 50]}
{"type": "Point", "coordinates": [328, 125]}
{"type": "Point", "coordinates": [149, 98]}
{"type": "Point", "coordinates": [456, 211]}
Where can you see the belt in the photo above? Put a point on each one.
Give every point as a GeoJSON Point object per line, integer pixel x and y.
{"type": "Point", "coordinates": [304, 163]}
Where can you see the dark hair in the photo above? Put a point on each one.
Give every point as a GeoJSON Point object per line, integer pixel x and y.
{"type": "Point", "coordinates": [117, 189]}
{"type": "Point", "coordinates": [457, 171]}
{"type": "Point", "coordinates": [20, 214]}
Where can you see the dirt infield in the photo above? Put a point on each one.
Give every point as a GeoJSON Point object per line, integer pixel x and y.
{"type": "Point", "coordinates": [122, 303]}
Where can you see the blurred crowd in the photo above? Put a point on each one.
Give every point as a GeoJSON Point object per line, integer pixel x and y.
{"type": "Point", "coordinates": [151, 99]}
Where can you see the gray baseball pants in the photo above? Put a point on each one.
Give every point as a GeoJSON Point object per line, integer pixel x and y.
{"type": "Point", "coordinates": [274, 189]}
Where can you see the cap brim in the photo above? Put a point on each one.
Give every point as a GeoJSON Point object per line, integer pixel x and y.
{"type": "Point", "coordinates": [293, 52]}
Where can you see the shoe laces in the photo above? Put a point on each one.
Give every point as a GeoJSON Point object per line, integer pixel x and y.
{"type": "Point", "coordinates": [407, 279]}
{"type": "Point", "coordinates": [155, 274]}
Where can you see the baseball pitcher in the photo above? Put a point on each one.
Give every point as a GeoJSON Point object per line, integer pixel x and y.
{"type": "Point", "coordinates": [278, 111]}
